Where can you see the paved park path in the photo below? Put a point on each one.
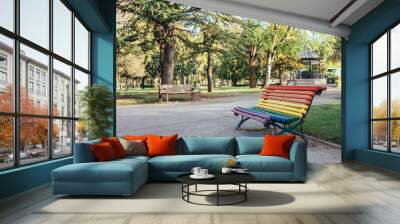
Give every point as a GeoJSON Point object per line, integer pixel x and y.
{"type": "Point", "coordinates": [210, 117]}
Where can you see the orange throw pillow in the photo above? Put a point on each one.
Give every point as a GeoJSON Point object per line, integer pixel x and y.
{"type": "Point", "coordinates": [277, 145]}
{"type": "Point", "coordinates": [136, 137]}
{"type": "Point", "coordinates": [116, 145]}
{"type": "Point", "coordinates": [103, 152]}
{"type": "Point", "coordinates": [161, 145]}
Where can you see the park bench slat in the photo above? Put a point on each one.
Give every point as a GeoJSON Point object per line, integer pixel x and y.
{"type": "Point", "coordinates": [283, 107]}
{"type": "Point", "coordinates": [295, 96]}
{"type": "Point", "coordinates": [287, 99]}
{"type": "Point", "coordinates": [284, 118]}
{"type": "Point", "coordinates": [263, 115]}
{"type": "Point", "coordinates": [299, 88]}
{"type": "Point", "coordinates": [308, 93]}
{"type": "Point", "coordinates": [298, 105]}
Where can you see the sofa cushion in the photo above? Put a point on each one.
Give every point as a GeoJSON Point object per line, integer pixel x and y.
{"type": "Point", "coordinates": [83, 152]}
{"type": "Point", "coordinates": [116, 145]}
{"type": "Point", "coordinates": [161, 145]}
{"type": "Point", "coordinates": [257, 163]}
{"type": "Point", "coordinates": [112, 171]}
{"type": "Point", "coordinates": [277, 145]}
{"type": "Point", "coordinates": [206, 145]}
{"type": "Point", "coordinates": [103, 152]}
{"type": "Point", "coordinates": [249, 145]}
{"type": "Point", "coordinates": [136, 137]}
{"type": "Point", "coordinates": [133, 158]}
{"type": "Point", "coordinates": [185, 163]}
{"type": "Point", "coordinates": [136, 147]}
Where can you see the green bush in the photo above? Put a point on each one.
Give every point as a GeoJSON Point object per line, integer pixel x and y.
{"type": "Point", "coordinates": [97, 103]}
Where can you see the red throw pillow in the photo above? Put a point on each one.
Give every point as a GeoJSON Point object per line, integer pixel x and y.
{"type": "Point", "coordinates": [277, 145]}
{"type": "Point", "coordinates": [116, 145]}
{"type": "Point", "coordinates": [136, 137]}
{"type": "Point", "coordinates": [103, 152]}
{"type": "Point", "coordinates": [161, 145]}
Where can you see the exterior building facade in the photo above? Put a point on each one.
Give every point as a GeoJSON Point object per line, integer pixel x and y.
{"type": "Point", "coordinates": [34, 81]}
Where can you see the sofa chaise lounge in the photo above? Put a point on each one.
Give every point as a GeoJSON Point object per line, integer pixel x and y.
{"type": "Point", "coordinates": [125, 176]}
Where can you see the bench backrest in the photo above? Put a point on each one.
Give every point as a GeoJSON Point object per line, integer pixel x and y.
{"type": "Point", "coordinates": [177, 88]}
{"type": "Point", "coordinates": [289, 100]}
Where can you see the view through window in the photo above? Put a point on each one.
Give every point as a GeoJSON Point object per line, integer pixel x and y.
{"type": "Point", "coordinates": [41, 80]}
{"type": "Point", "coordinates": [385, 94]}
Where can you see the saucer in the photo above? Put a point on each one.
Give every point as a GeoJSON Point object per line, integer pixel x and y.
{"type": "Point", "coordinates": [208, 176]}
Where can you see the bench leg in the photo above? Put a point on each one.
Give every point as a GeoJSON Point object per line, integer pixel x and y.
{"type": "Point", "coordinates": [241, 122]}
{"type": "Point", "coordinates": [291, 130]}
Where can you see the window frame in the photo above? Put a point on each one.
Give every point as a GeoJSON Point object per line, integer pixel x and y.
{"type": "Point", "coordinates": [16, 114]}
{"type": "Point", "coordinates": [388, 74]}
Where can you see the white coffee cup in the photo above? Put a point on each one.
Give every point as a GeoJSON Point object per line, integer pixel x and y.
{"type": "Point", "coordinates": [226, 170]}
{"type": "Point", "coordinates": [196, 171]}
{"type": "Point", "coordinates": [203, 172]}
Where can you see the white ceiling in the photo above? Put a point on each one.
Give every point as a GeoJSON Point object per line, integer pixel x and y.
{"type": "Point", "coordinates": [315, 15]}
{"type": "Point", "coordinates": [321, 9]}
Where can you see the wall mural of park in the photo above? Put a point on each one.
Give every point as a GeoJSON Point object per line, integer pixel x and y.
{"type": "Point", "coordinates": [163, 42]}
{"type": "Point", "coordinates": [227, 58]}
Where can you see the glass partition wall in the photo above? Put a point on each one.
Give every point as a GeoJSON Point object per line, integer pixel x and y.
{"type": "Point", "coordinates": [44, 65]}
{"type": "Point", "coordinates": [385, 91]}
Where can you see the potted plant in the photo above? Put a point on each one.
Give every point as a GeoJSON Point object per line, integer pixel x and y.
{"type": "Point", "coordinates": [96, 102]}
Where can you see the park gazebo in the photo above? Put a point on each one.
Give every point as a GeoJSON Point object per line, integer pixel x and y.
{"type": "Point", "coordinates": [311, 68]}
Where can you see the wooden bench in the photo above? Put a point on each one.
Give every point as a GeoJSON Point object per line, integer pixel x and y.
{"type": "Point", "coordinates": [283, 107]}
{"type": "Point", "coordinates": [168, 90]}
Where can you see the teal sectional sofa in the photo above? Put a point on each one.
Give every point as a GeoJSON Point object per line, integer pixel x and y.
{"type": "Point", "coordinates": [125, 176]}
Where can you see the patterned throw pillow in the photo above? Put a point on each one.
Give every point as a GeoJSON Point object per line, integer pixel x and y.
{"type": "Point", "coordinates": [134, 147]}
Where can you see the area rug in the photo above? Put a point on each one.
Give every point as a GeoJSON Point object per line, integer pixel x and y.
{"type": "Point", "coordinates": [166, 198]}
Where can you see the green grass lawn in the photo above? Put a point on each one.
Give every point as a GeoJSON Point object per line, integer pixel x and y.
{"type": "Point", "coordinates": [144, 96]}
{"type": "Point", "coordinates": [323, 121]}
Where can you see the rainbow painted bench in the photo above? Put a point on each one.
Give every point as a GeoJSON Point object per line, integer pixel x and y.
{"type": "Point", "coordinates": [282, 107]}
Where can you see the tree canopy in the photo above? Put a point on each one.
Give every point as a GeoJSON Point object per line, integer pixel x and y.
{"type": "Point", "coordinates": [174, 43]}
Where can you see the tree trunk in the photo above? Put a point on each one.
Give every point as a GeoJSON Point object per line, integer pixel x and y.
{"type": "Point", "coordinates": [253, 66]}
{"type": "Point", "coordinates": [168, 65]}
{"type": "Point", "coordinates": [143, 82]}
{"type": "Point", "coordinates": [234, 82]}
{"type": "Point", "coordinates": [210, 81]}
{"type": "Point", "coordinates": [266, 75]}
{"type": "Point", "coordinates": [268, 69]}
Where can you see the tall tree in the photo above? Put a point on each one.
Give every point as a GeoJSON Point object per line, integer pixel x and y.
{"type": "Point", "coordinates": [215, 36]}
{"type": "Point", "coordinates": [156, 25]}
{"type": "Point", "coordinates": [253, 41]}
{"type": "Point", "coordinates": [326, 47]}
{"type": "Point", "coordinates": [129, 67]}
{"type": "Point", "coordinates": [279, 39]}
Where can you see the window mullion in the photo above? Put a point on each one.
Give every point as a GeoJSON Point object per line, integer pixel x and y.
{"type": "Point", "coordinates": [50, 81]}
{"type": "Point", "coordinates": [371, 89]}
{"type": "Point", "coordinates": [389, 101]}
{"type": "Point", "coordinates": [16, 69]}
{"type": "Point", "coordinates": [73, 82]}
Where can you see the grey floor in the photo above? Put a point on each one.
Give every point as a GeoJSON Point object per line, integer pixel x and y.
{"type": "Point", "coordinates": [377, 190]}
{"type": "Point", "coordinates": [211, 117]}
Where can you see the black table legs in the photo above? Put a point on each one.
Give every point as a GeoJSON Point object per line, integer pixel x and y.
{"type": "Point", "coordinates": [219, 194]}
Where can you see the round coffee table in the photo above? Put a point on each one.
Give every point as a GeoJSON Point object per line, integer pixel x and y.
{"type": "Point", "coordinates": [238, 179]}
